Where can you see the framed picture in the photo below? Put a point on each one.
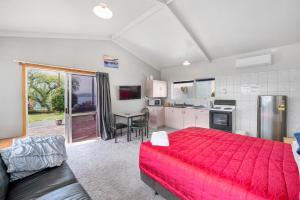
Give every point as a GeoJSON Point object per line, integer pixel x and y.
{"type": "Point", "coordinates": [111, 61]}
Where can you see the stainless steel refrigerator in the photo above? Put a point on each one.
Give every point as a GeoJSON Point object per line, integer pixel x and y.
{"type": "Point", "coordinates": [272, 117]}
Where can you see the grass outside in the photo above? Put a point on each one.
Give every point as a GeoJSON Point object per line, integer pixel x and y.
{"type": "Point", "coordinates": [45, 117]}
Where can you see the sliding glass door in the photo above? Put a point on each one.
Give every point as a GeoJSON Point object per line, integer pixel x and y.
{"type": "Point", "coordinates": [80, 107]}
{"type": "Point", "coordinates": [45, 102]}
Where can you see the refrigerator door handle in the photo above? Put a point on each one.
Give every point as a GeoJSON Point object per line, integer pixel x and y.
{"type": "Point", "coordinates": [281, 107]}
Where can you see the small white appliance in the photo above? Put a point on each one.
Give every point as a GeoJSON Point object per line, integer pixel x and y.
{"type": "Point", "coordinates": [154, 102]}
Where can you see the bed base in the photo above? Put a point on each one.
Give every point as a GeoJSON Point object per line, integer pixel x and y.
{"type": "Point", "coordinates": [157, 187]}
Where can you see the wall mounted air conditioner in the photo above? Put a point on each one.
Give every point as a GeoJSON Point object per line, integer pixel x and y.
{"type": "Point", "coordinates": [260, 60]}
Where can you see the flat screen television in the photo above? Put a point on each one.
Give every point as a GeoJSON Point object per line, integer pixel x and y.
{"type": "Point", "coordinates": [130, 92]}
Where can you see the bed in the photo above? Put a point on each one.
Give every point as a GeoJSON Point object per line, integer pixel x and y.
{"type": "Point", "coordinates": [211, 164]}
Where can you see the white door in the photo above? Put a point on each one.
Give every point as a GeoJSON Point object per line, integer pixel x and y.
{"type": "Point", "coordinates": [172, 118]}
{"type": "Point", "coordinates": [189, 118]}
{"type": "Point", "coordinates": [80, 108]}
{"type": "Point", "coordinates": [169, 117]}
{"type": "Point", "coordinates": [202, 118]}
{"type": "Point", "coordinates": [178, 118]}
{"type": "Point", "coordinates": [162, 89]}
{"type": "Point", "coordinates": [156, 90]}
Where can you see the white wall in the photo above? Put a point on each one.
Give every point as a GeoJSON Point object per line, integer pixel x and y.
{"type": "Point", "coordinates": [83, 54]}
{"type": "Point", "coordinates": [244, 85]}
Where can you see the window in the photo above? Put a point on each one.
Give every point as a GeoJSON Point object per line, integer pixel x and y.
{"type": "Point", "coordinates": [183, 90]}
{"type": "Point", "coordinates": [205, 88]}
{"type": "Point", "coordinates": [83, 93]}
{"type": "Point", "coordinates": [194, 89]}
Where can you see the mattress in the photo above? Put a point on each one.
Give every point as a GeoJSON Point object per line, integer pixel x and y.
{"type": "Point", "coordinates": [212, 164]}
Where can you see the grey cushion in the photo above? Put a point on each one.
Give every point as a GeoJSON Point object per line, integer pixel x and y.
{"type": "Point", "coordinates": [4, 180]}
{"type": "Point", "coordinates": [36, 153]}
{"type": "Point", "coordinates": [15, 175]}
{"type": "Point", "coordinates": [71, 192]}
{"type": "Point", "coordinates": [41, 183]}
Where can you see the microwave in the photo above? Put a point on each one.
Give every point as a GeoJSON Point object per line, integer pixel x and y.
{"type": "Point", "coordinates": [154, 102]}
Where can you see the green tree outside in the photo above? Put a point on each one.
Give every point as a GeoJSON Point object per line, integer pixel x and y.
{"type": "Point", "coordinates": [41, 85]}
{"type": "Point", "coordinates": [58, 100]}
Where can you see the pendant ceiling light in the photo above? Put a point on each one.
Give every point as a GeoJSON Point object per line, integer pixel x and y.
{"type": "Point", "coordinates": [187, 50]}
{"type": "Point", "coordinates": [103, 11]}
{"type": "Point", "coordinates": [186, 63]}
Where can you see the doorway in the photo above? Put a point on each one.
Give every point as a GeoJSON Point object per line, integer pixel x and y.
{"type": "Point", "coordinates": [45, 102]}
{"type": "Point", "coordinates": [80, 107]}
{"type": "Point", "coordinates": [61, 103]}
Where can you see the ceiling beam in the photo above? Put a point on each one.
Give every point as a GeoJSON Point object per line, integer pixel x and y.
{"type": "Point", "coordinates": [138, 20]}
{"type": "Point", "coordinates": [165, 1]}
{"type": "Point", "coordinates": [169, 1]}
{"type": "Point", "coordinates": [186, 27]}
{"type": "Point", "coordinates": [115, 37]}
{"type": "Point", "coordinates": [160, 4]}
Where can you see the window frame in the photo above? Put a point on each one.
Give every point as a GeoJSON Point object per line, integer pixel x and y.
{"type": "Point", "coordinates": [28, 65]}
{"type": "Point", "coordinates": [194, 81]}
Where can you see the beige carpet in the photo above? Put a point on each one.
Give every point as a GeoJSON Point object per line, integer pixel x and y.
{"type": "Point", "coordinates": [110, 171]}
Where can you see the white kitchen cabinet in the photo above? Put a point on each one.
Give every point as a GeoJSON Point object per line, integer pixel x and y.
{"type": "Point", "coordinates": [156, 116]}
{"type": "Point", "coordinates": [174, 117]}
{"type": "Point", "coordinates": [202, 118]}
{"type": "Point", "coordinates": [179, 118]}
{"type": "Point", "coordinates": [189, 117]}
{"type": "Point", "coordinates": [156, 88]}
{"type": "Point", "coordinates": [169, 117]}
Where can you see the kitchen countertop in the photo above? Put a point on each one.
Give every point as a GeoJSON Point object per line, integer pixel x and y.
{"type": "Point", "coordinates": [191, 107]}
{"type": "Point", "coordinates": [186, 106]}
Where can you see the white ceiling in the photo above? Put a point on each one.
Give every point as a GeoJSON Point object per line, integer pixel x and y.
{"type": "Point", "coordinates": [238, 26]}
{"type": "Point", "coordinates": [72, 17]}
{"type": "Point", "coordinates": [159, 34]}
{"type": "Point", "coordinates": [160, 42]}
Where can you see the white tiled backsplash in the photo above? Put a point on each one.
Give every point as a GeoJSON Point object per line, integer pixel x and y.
{"type": "Point", "coordinates": [245, 88]}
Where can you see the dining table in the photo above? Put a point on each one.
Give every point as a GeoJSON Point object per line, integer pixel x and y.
{"type": "Point", "coordinates": [129, 117]}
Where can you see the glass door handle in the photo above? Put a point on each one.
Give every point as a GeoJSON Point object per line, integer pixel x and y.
{"type": "Point", "coordinates": [67, 110]}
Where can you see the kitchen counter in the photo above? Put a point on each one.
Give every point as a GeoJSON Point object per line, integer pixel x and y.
{"type": "Point", "coordinates": [179, 117]}
{"type": "Point", "coordinates": [190, 107]}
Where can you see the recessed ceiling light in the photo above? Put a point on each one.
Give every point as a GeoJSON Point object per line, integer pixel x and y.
{"type": "Point", "coordinates": [186, 63]}
{"type": "Point", "coordinates": [103, 11]}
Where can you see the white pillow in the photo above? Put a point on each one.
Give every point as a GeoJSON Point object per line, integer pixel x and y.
{"type": "Point", "coordinates": [295, 146]}
{"type": "Point", "coordinates": [160, 138]}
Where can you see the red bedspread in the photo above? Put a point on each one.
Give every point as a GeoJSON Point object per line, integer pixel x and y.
{"type": "Point", "coordinates": [211, 164]}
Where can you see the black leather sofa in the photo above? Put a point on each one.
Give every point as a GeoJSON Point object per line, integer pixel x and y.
{"type": "Point", "coordinates": [58, 183]}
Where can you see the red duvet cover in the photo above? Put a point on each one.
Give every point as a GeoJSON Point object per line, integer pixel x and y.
{"type": "Point", "coordinates": [211, 164]}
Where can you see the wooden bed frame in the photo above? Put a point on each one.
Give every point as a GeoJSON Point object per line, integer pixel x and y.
{"type": "Point", "coordinates": [157, 187]}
